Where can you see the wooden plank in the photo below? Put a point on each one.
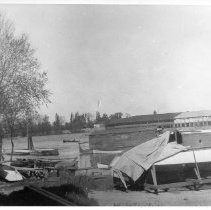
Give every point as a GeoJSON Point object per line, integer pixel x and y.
{"type": "Point", "coordinates": [150, 186]}
{"type": "Point", "coordinates": [106, 152]}
{"type": "Point", "coordinates": [170, 185]}
{"type": "Point", "coordinates": [205, 181]}
{"type": "Point", "coordinates": [27, 169]}
{"type": "Point", "coordinates": [176, 185]}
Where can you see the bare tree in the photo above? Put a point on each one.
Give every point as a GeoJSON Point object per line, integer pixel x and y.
{"type": "Point", "coordinates": [22, 84]}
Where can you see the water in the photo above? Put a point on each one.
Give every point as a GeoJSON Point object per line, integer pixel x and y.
{"type": "Point", "coordinates": [66, 150]}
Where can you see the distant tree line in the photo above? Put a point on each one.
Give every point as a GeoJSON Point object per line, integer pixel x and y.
{"type": "Point", "coordinates": [41, 125]}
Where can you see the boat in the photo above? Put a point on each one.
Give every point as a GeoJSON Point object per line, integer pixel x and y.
{"type": "Point", "coordinates": [45, 152]}
{"type": "Point", "coordinates": [31, 150]}
{"type": "Point", "coordinates": [35, 152]}
{"type": "Point", "coordinates": [70, 141]}
{"type": "Point", "coordinates": [23, 163]}
{"type": "Point", "coordinates": [164, 162]}
{"type": "Point", "coordinates": [9, 174]}
{"type": "Point", "coordinates": [20, 152]}
{"type": "Point", "coordinates": [191, 164]}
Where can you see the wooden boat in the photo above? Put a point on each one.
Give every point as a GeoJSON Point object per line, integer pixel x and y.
{"type": "Point", "coordinates": [31, 150]}
{"type": "Point", "coordinates": [36, 152]}
{"type": "Point", "coordinates": [10, 174]}
{"type": "Point", "coordinates": [20, 152]}
{"type": "Point", "coordinates": [189, 164]}
{"type": "Point", "coordinates": [23, 163]}
{"type": "Point", "coordinates": [31, 163]}
{"type": "Point", "coordinates": [187, 168]}
{"type": "Point", "coordinates": [70, 141]}
{"type": "Point", "coordinates": [173, 168]}
{"type": "Point", "coordinates": [45, 152]}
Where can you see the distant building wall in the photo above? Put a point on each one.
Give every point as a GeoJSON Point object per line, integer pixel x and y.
{"type": "Point", "coordinates": [193, 119]}
{"type": "Point", "coordinates": [121, 140]}
{"type": "Point", "coordinates": [117, 140]}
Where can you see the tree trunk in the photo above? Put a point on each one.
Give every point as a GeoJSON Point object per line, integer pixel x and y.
{"type": "Point", "coordinates": [12, 151]}
{"type": "Point", "coordinates": [1, 142]}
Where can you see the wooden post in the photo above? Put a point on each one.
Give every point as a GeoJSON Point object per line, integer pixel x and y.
{"type": "Point", "coordinates": [197, 174]}
{"type": "Point", "coordinates": [154, 178]}
{"type": "Point", "coordinates": [197, 168]}
{"type": "Point", "coordinates": [175, 134]}
{"type": "Point", "coordinates": [121, 178]}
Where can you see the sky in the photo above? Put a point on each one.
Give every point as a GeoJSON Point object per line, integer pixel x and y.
{"type": "Point", "coordinates": [133, 58]}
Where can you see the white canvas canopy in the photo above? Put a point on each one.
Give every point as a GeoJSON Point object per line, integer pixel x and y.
{"type": "Point", "coordinates": [140, 158]}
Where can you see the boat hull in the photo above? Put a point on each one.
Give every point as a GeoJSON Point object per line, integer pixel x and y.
{"type": "Point", "coordinates": [166, 174]}
{"type": "Point", "coordinates": [45, 152]}
{"type": "Point", "coordinates": [182, 166]}
{"type": "Point", "coordinates": [36, 152]}
{"type": "Point", "coordinates": [9, 174]}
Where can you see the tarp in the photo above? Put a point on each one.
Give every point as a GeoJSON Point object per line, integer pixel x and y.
{"type": "Point", "coordinates": [140, 158]}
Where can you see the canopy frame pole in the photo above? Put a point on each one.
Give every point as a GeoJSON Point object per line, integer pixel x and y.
{"type": "Point", "coordinates": [154, 178]}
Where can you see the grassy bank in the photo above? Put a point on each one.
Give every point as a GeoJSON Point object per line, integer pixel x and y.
{"type": "Point", "coordinates": [72, 188]}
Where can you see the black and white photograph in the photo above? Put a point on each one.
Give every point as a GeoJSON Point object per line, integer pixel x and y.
{"type": "Point", "coordinates": [105, 104]}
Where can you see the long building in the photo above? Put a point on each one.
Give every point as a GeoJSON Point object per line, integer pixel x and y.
{"type": "Point", "coordinates": [193, 119]}
{"type": "Point", "coordinates": [166, 120]}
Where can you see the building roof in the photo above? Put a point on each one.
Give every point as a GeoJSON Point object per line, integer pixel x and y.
{"type": "Point", "coordinates": [144, 119]}
{"type": "Point", "coordinates": [194, 114]}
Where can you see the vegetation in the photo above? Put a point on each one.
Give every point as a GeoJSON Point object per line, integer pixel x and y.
{"type": "Point", "coordinates": [23, 91]}
{"type": "Point", "coordinates": [22, 84]}
{"type": "Point", "coordinates": [27, 197]}
{"type": "Point", "coordinates": [74, 194]}
{"type": "Point", "coordinates": [41, 125]}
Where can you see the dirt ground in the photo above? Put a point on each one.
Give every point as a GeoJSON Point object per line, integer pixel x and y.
{"type": "Point", "coordinates": [143, 198]}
